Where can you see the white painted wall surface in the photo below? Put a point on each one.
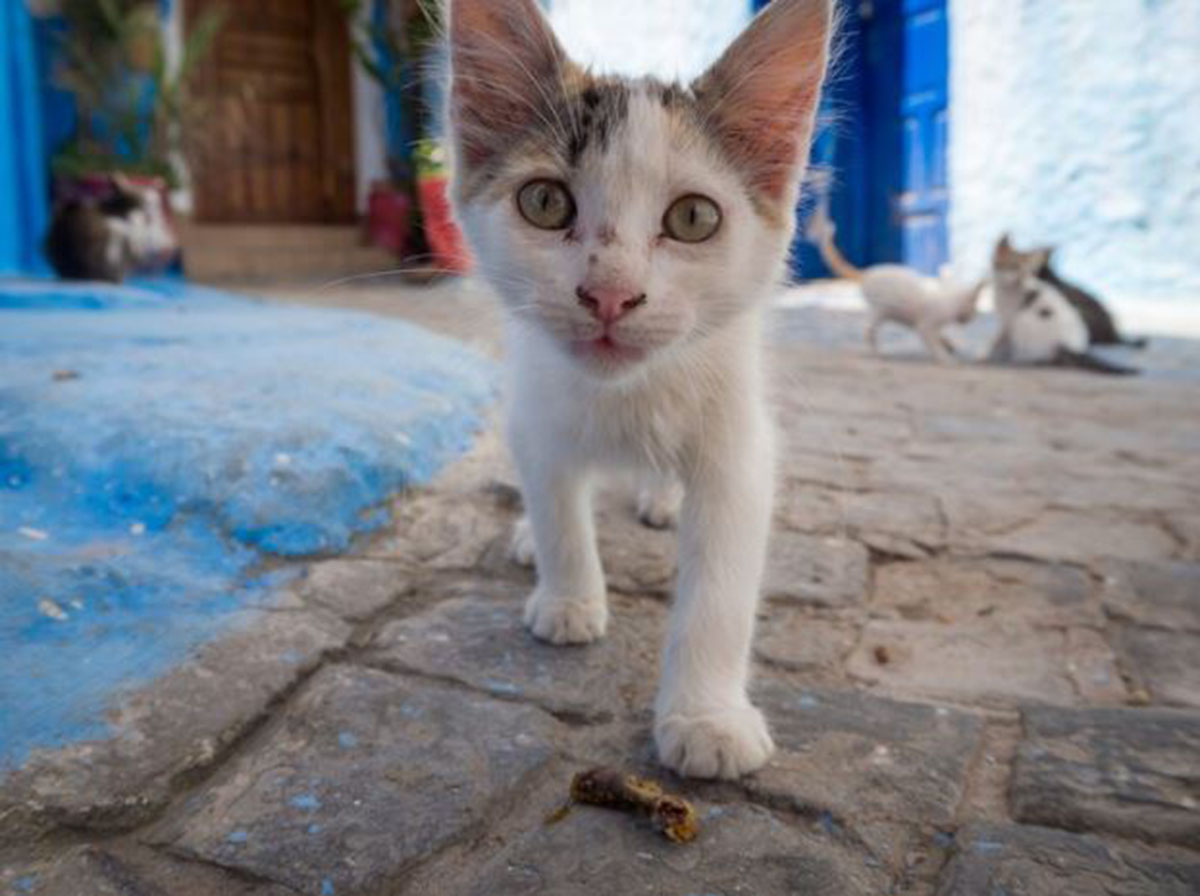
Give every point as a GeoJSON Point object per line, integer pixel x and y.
{"type": "Point", "coordinates": [1077, 122]}
{"type": "Point", "coordinates": [668, 38]}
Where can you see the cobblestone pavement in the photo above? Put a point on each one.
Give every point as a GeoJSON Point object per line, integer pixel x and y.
{"type": "Point", "coordinates": [978, 651]}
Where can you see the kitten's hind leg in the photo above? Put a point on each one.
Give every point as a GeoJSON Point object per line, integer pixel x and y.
{"type": "Point", "coordinates": [873, 326]}
{"type": "Point", "coordinates": [658, 501]}
{"type": "Point", "coordinates": [948, 345]}
{"type": "Point", "coordinates": [935, 344]}
{"type": "Point", "coordinates": [520, 548]}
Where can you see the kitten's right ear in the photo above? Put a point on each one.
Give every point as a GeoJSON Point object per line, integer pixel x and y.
{"type": "Point", "coordinates": [761, 96]}
{"type": "Point", "coordinates": [506, 67]}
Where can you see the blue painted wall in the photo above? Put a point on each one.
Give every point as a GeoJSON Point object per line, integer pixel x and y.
{"type": "Point", "coordinates": [1078, 123]}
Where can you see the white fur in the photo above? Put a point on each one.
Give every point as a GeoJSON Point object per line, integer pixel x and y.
{"type": "Point", "coordinates": [690, 413]}
{"type": "Point", "coordinates": [897, 294]}
{"type": "Point", "coordinates": [926, 304]}
{"type": "Point", "coordinates": [694, 409]}
{"type": "Point", "coordinates": [1038, 329]}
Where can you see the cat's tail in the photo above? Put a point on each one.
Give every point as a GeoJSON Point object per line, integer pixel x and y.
{"type": "Point", "coordinates": [1085, 361]}
{"type": "Point", "coordinates": [821, 230]}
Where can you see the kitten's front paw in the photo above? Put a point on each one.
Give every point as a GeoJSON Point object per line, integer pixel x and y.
{"type": "Point", "coordinates": [562, 620]}
{"type": "Point", "coordinates": [726, 742]}
{"type": "Point", "coordinates": [520, 548]}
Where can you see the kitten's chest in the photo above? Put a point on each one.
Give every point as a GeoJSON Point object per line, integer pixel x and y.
{"type": "Point", "coordinates": [652, 423]}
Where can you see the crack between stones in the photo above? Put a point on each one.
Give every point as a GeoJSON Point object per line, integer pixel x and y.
{"type": "Point", "coordinates": [240, 874]}
{"type": "Point", "coordinates": [570, 718]}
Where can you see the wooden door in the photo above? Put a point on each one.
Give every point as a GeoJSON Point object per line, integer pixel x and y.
{"type": "Point", "coordinates": [275, 92]}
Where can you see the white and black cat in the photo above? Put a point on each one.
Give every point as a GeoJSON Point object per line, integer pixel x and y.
{"type": "Point", "coordinates": [635, 232]}
{"type": "Point", "coordinates": [1038, 323]}
{"type": "Point", "coordinates": [1101, 328]}
{"type": "Point", "coordinates": [898, 294]}
{"type": "Point", "coordinates": [108, 238]}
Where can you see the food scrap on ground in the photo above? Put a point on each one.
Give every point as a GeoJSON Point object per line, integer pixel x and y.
{"type": "Point", "coordinates": [613, 789]}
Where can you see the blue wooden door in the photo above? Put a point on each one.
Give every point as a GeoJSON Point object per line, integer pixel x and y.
{"type": "Point", "coordinates": [904, 67]}
{"type": "Point", "coordinates": [920, 203]}
{"type": "Point", "coordinates": [886, 150]}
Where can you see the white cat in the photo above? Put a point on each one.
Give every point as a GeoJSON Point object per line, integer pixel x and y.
{"type": "Point", "coordinates": [901, 295]}
{"type": "Point", "coordinates": [635, 232]}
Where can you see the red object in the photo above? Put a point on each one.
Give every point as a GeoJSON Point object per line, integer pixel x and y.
{"type": "Point", "coordinates": [445, 239]}
{"type": "Point", "coordinates": [389, 218]}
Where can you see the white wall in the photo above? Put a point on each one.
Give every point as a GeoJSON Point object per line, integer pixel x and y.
{"type": "Point", "coordinates": [1077, 122]}
{"type": "Point", "coordinates": [668, 38]}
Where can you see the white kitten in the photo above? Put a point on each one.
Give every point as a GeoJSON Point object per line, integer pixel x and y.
{"type": "Point", "coordinates": [901, 295]}
{"type": "Point", "coordinates": [635, 232]}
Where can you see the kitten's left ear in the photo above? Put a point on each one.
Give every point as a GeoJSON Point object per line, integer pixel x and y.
{"type": "Point", "coordinates": [761, 96]}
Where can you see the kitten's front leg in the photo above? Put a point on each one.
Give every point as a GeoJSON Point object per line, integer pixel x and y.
{"type": "Point", "coordinates": [569, 604]}
{"type": "Point", "coordinates": [705, 725]}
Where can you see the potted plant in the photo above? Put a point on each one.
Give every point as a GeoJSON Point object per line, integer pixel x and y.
{"type": "Point", "coordinates": [394, 45]}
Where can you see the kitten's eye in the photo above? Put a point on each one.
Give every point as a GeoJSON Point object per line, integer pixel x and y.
{"type": "Point", "coordinates": [692, 219]}
{"type": "Point", "coordinates": [546, 204]}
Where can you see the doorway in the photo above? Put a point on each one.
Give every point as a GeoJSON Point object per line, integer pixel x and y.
{"type": "Point", "coordinates": [886, 140]}
{"type": "Point", "coordinates": [277, 88]}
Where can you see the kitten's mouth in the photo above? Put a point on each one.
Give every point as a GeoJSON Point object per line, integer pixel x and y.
{"type": "Point", "coordinates": [605, 348]}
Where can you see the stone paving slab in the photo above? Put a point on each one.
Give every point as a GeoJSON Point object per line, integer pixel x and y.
{"type": "Point", "coordinates": [863, 757]}
{"type": "Point", "coordinates": [987, 660]}
{"type": "Point", "coordinates": [177, 727]}
{"type": "Point", "coordinates": [365, 774]}
{"type": "Point", "coordinates": [125, 870]}
{"type": "Point", "coordinates": [1131, 772]}
{"type": "Point", "coordinates": [1165, 663]}
{"type": "Point", "coordinates": [794, 639]}
{"type": "Point", "coordinates": [824, 571]}
{"type": "Point", "coordinates": [742, 849]}
{"type": "Point", "coordinates": [355, 589]}
{"type": "Point", "coordinates": [957, 590]}
{"type": "Point", "coordinates": [1081, 537]}
{"type": "Point", "coordinates": [991, 860]}
{"type": "Point", "coordinates": [908, 524]}
{"type": "Point", "coordinates": [483, 643]}
{"type": "Point", "coordinates": [1166, 595]}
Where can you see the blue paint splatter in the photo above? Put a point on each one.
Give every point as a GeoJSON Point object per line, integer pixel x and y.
{"type": "Point", "coordinates": [808, 701]}
{"type": "Point", "coordinates": [347, 739]}
{"type": "Point", "coordinates": [501, 687]}
{"type": "Point", "coordinates": [291, 656]}
{"type": "Point", "coordinates": [202, 433]}
{"type": "Point", "coordinates": [238, 836]}
{"type": "Point", "coordinates": [327, 887]}
{"type": "Point", "coordinates": [829, 824]}
{"type": "Point", "coordinates": [314, 829]}
{"type": "Point", "coordinates": [24, 884]}
{"type": "Point", "coordinates": [306, 801]}
{"type": "Point", "coordinates": [984, 847]}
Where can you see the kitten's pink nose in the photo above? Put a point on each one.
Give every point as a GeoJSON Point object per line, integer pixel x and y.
{"type": "Point", "coordinates": [608, 304]}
